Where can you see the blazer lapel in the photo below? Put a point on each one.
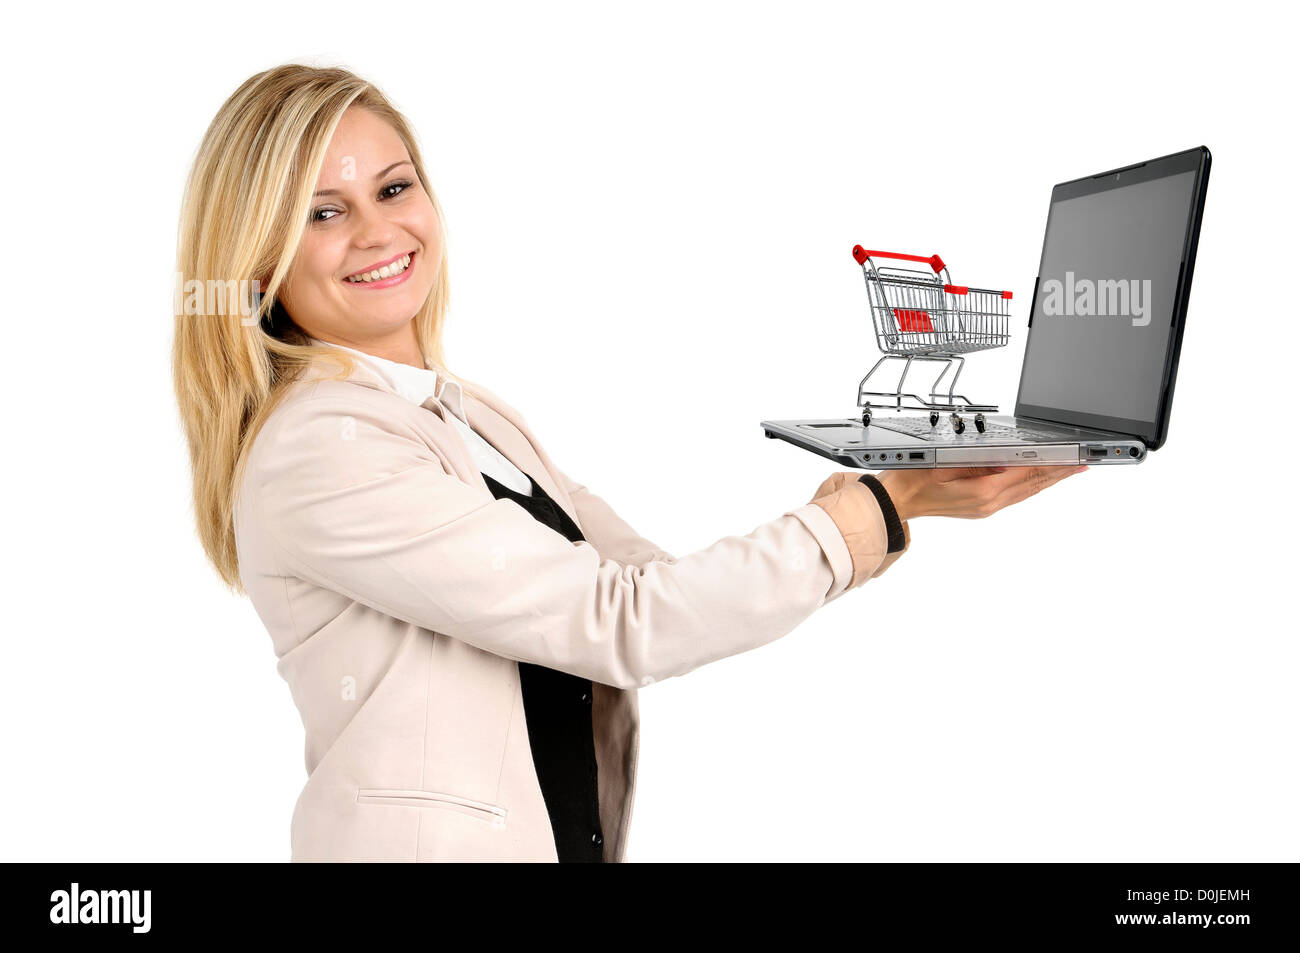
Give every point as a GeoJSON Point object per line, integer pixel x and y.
{"type": "Point", "coordinates": [496, 424]}
{"type": "Point", "coordinates": [489, 417]}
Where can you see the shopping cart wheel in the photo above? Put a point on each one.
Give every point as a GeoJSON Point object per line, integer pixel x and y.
{"type": "Point", "coordinates": [958, 425]}
{"type": "Point", "coordinates": [866, 417]}
{"type": "Point", "coordinates": [934, 418]}
{"type": "Point", "coordinates": [979, 422]}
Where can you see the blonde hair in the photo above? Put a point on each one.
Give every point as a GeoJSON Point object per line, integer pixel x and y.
{"type": "Point", "coordinates": [245, 208]}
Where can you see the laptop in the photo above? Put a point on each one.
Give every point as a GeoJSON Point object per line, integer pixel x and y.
{"type": "Point", "coordinates": [1104, 333]}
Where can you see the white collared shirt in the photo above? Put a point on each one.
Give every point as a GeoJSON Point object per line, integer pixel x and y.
{"type": "Point", "coordinates": [417, 385]}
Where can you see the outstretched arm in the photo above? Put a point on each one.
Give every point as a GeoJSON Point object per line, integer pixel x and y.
{"type": "Point", "coordinates": [377, 517]}
{"type": "Point", "coordinates": [607, 532]}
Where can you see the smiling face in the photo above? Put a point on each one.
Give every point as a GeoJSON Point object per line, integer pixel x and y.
{"type": "Point", "coordinates": [370, 254]}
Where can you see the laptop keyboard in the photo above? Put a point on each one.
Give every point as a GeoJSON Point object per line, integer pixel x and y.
{"type": "Point", "coordinates": [920, 427]}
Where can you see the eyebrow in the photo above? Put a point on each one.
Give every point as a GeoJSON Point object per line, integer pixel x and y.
{"type": "Point", "coordinates": [378, 176]}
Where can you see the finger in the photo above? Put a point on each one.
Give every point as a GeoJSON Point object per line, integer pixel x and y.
{"type": "Point", "coordinates": [1040, 474]}
{"type": "Point", "coordinates": [1056, 474]}
{"type": "Point", "coordinates": [951, 475]}
{"type": "Point", "coordinates": [998, 485]}
{"type": "Point", "coordinates": [1046, 476]}
{"type": "Point", "coordinates": [1023, 490]}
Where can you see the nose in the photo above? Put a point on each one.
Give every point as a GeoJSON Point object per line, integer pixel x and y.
{"type": "Point", "coordinates": [373, 230]}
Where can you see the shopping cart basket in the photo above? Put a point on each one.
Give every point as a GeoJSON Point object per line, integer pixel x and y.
{"type": "Point", "coordinates": [919, 315]}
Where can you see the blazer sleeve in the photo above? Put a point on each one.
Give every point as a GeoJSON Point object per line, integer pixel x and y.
{"type": "Point", "coordinates": [891, 558]}
{"type": "Point", "coordinates": [355, 500]}
{"type": "Point", "coordinates": [607, 531]}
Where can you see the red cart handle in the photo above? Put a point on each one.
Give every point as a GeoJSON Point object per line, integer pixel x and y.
{"type": "Point", "coordinates": [860, 255]}
{"type": "Point", "coordinates": [963, 289]}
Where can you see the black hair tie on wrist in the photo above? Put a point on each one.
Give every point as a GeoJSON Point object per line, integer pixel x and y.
{"type": "Point", "coordinates": [893, 525]}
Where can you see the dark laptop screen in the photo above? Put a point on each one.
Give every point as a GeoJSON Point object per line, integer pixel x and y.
{"type": "Point", "coordinates": [1103, 314]}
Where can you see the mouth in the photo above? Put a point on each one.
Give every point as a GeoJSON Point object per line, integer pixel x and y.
{"type": "Point", "coordinates": [383, 274]}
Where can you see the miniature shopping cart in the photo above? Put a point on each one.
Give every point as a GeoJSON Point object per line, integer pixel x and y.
{"type": "Point", "coordinates": [919, 315]}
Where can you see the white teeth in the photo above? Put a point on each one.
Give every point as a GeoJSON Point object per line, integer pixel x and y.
{"type": "Point", "coordinates": [396, 268]}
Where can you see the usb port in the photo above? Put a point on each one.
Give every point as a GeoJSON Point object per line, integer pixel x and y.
{"type": "Point", "coordinates": [916, 455]}
{"type": "Point", "coordinates": [1096, 451]}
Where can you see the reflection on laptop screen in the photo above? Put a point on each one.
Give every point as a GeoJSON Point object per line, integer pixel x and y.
{"type": "Point", "coordinates": [1099, 331]}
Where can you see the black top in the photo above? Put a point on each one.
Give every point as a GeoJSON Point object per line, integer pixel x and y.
{"type": "Point", "coordinates": [557, 707]}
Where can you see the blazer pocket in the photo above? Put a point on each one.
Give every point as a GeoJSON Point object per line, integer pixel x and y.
{"type": "Point", "coordinates": [493, 814]}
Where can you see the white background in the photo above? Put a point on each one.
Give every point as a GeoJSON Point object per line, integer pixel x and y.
{"type": "Point", "coordinates": [654, 205]}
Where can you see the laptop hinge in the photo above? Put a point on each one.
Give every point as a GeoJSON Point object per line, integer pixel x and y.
{"type": "Point", "coordinates": [1042, 420]}
{"type": "Point", "coordinates": [1061, 423]}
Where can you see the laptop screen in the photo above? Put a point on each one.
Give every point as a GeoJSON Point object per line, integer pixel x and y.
{"type": "Point", "coordinates": [1103, 316]}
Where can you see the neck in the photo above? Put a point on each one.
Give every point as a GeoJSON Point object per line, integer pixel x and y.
{"type": "Point", "coordinates": [400, 346]}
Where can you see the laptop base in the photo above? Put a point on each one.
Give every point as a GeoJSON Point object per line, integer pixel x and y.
{"type": "Point", "coordinates": [846, 441]}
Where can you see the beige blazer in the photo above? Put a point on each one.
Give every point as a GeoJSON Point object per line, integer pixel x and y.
{"type": "Point", "coordinates": [400, 595]}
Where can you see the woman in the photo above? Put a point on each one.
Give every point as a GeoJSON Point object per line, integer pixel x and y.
{"type": "Point", "coordinates": [462, 625]}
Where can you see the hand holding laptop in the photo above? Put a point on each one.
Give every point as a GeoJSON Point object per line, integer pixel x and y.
{"type": "Point", "coordinates": [967, 492]}
{"type": "Point", "coordinates": [964, 493]}
{"type": "Point", "coordinates": [961, 492]}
